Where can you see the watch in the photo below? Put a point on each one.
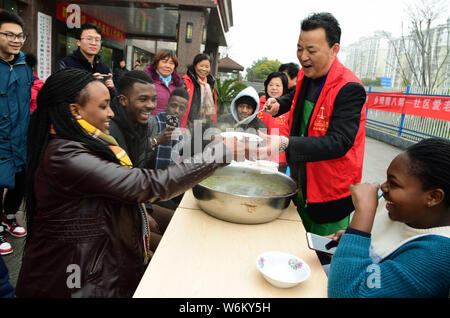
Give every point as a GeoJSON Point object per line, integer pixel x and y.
{"type": "Point", "coordinates": [154, 142]}
{"type": "Point", "coordinates": [283, 144]}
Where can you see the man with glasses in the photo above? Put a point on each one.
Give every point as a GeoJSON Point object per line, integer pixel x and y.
{"type": "Point", "coordinates": [16, 78]}
{"type": "Point", "coordinates": [89, 41]}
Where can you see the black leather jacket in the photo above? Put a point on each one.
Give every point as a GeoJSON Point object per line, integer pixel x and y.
{"type": "Point", "coordinates": [87, 221]}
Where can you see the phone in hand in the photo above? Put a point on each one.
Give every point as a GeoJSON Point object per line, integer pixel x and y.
{"type": "Point", "coordinates": [105, 77]}
{"type": "Point", "coordinates": [172, 120]}
{"type": "Point", "coordinates": [321, 243]}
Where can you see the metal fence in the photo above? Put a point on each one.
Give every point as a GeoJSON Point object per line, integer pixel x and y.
{"type": "Point", "coordinates": [411, 127]}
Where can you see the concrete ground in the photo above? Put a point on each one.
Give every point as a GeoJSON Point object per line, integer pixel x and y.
{"type": "Point", "coordinates": [378, 156]}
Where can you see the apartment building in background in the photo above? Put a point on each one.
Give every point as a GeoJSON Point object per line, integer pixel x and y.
{"type": "Point", "coordinates": [374, 57]}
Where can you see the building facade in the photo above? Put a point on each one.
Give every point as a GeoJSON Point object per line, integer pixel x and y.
{"type": "Point", "coordinates": [131, 29]}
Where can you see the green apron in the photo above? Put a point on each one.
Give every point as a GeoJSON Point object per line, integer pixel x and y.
{"type": "Point", "coordinates": [311, 226]}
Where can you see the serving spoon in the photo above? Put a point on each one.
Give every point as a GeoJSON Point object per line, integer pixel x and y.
{"type": "Point", "coordinates": [251, 117]}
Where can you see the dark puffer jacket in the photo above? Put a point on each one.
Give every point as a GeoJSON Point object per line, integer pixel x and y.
{"type": "Point", "coordinates": [77, 60]}
{"type": "Point", "coordinates": [86, 239]}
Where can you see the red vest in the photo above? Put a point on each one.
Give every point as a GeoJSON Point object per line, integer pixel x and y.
{"type": "Point", "coordinates": [329, 180]}
{"type": "Point", "coordinates": [190, 90]}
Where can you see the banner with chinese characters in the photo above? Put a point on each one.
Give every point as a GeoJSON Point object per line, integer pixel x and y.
{"type": "Point", "coordinates": [108, 31]}
{"type": "Point", "coordinates": [44, 48]}
{"type": "Point", "coordinates": [437, 107]}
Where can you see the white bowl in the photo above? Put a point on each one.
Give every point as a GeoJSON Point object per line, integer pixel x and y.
{"type": "Point", "coordinates": [282, 270]}
{"type": "Point", "coordinates": [257, 163]}
{"type": "Point", "coordinates": [241, 135]}
{"type": "Point", "coordinates": [266, 164]}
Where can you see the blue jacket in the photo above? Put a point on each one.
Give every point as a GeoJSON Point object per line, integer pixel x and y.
{"type": "Point", "coordinates": [6, 290]}
{"type": "Point", "coordinates": [15, 93]}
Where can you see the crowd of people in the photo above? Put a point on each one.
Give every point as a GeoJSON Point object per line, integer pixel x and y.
{"type": "Point", "coordinates": [99, 166]}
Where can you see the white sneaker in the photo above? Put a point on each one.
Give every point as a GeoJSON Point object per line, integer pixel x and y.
{"type": "Point", "coordinates": [5, 246]}
{"type": "Point", "coordinates": [13, 227]}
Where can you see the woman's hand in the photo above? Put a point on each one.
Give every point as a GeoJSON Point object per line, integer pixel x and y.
{"type": "Point", "coordinates": [365, 200]}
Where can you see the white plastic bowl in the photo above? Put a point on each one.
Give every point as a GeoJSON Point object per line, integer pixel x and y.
{"type": "Point", "coordinates": [265, 164]}
{"type": "Point", "coordinates": [282, 270]}
{"type": "Point", "coordinates": [241, 135]}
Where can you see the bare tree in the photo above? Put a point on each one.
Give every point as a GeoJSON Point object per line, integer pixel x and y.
{"type": "Point", "coordinates": [422, 56]}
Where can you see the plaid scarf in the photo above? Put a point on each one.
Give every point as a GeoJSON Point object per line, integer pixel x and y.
{"type": "Point", "coordinates": [124, 161]}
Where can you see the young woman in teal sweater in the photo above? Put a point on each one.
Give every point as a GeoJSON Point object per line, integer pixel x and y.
{"type": "Point", "coordinates": [403, 249]}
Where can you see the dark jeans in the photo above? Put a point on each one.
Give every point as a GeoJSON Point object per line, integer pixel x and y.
{"type": "Point", "coordinates": [10, 203]}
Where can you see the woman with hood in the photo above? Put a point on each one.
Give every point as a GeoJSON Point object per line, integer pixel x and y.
{"type": "Point", "coordinates": [242, 107]}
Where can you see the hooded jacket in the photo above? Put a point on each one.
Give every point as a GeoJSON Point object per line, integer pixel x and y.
{"type": "Point", "coordinates": [16, 80]}
{"type": "Point", "coordinates": [229, 120]}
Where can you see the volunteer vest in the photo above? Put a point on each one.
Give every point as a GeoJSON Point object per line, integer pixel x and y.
{"type": "Point", "coordinates": [329, 180]}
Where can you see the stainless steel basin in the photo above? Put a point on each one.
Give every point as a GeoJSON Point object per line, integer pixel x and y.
{"type": "Point", "coordinates": [244, 208]}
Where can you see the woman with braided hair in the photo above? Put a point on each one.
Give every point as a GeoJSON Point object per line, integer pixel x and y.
{"type": "Point", "coordinates": [87, 226]}
{"type": "Point", "coordinates": [403, 248]}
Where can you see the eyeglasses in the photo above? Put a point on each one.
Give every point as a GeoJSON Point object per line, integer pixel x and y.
{"type": "Point", "coordinates": [92, 39]}
{"type": "Point", "coordinates": [12, 37]}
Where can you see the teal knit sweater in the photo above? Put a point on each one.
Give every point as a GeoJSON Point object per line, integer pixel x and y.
{"type": "Point", "coordinates": [419, 268]}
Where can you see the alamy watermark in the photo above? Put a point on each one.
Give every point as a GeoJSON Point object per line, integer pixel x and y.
{"type": "Point", "coordinates": [374, 278]}
{"type": "Point", "coordinates": [73, 16]}
{"type": "Point", "coordinates": [74, 278]}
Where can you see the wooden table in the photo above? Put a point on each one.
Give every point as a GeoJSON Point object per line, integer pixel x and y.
{"type": "Point", "coordinates": [200, 256]}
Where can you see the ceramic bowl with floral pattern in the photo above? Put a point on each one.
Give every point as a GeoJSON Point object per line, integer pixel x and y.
{"type": "Point", "coordinates": [281, 269]}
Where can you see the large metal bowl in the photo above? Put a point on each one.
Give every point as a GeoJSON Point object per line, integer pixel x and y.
{"type": "Point", "coordinates": [245, 209]}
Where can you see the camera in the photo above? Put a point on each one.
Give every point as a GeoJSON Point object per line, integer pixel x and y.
{"type": "Point", "coordinates": [172, 120]}
{"type": "Point", "coordinates": [105, 77]}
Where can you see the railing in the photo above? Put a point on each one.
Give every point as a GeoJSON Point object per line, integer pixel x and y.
{"type": "Point", "coordinates": [410, 127]}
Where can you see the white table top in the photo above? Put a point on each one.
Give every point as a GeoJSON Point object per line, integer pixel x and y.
{"type": "Point", "coordinates": [200, 256]}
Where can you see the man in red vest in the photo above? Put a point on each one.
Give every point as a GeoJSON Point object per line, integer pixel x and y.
{"type": "Point", "coordinates": [325, 149]}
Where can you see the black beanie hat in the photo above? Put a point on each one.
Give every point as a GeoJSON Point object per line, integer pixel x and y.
{"type": "Point", "coordinates": [246, 100]}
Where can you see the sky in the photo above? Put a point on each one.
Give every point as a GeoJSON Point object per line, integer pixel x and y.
{"type": "Point", "coordinates": [270, 28]}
